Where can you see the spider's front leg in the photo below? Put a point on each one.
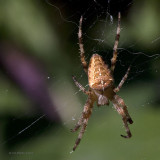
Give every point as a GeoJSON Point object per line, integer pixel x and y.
{"type": "Point", "coordinates": [83, 121]}
{"type": "Point", "coordinates": [122, 110]}
{"type": "Point", "coordinates": [124, 118]}
{"type": "Point", "coordinates": [84, 125]}
{"type": "Point", "coordinates": [79, 123]}
{"type": "Point", "coordinates": [121, 103]}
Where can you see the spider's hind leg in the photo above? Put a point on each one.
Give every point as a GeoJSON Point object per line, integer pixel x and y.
{"type": "Point", "coordinates": [122, 81]}
{"type": "Point", "coordinates": [82, 53]}
{"type": "Point", "coordinates": [115, 52]}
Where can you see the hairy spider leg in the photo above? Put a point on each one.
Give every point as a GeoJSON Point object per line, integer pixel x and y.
{"type": "Point", "coordinates": [81, 48]}
{"type": "Point", "coordinates": [121, 103]}
{"type": "Point", "coordinates": [122, 81]}
{"type": "Point", "coordinates": [121, 108]}
{"type": "Point", "coordinates": [79, 85]}
{"type": "Point", "coordinates": [122, 113]}
{"type": "Point", "coordinates": [115, 53]}
{"type": "Point", "coordinates": [83, 121]}
{"type": "Point", "coordinates": [84, 125]}
{"type": "Point", "coordinates": [78, 125]}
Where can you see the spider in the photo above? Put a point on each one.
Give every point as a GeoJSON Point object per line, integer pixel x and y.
{"type": "Point", "coordinates": [101, 86]}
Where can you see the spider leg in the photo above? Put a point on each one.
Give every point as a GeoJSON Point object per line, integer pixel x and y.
{"type": "Point", "coordinates": [121, 102]}
{"type": "Point", "coordinates": [124, 118]}
{"type": "Point", "coordinates": [84, 125]}
{"type": "Point", "coordinates": [78, 125]}
{"type": "Point", "coordinates": [79, 85]}
{"type": "Point", "coordinates": [115, 53]}
{"type": "Point", "coordinates": [83, 61]}
{"type": "Point", "coordinates": [83, 121]}
{"type": "Point", "coordinates": [122, 81]}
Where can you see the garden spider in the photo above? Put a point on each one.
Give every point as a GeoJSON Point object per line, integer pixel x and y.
{"type": "Point", "coordinates": [101, 86]}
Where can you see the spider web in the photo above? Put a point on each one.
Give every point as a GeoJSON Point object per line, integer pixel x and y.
{"type": "Point", "coordinates": [99, 30]}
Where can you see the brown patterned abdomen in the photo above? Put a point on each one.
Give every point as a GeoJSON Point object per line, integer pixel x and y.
{"type": "Point", "coordinates": [99, 75]}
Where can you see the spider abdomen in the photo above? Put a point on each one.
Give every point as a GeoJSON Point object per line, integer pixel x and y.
{"type": "Point", "coordinates": [99, 75]}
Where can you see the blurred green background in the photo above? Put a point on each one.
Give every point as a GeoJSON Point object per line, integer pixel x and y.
{"type": "Point", "coordinates": [46, 36]}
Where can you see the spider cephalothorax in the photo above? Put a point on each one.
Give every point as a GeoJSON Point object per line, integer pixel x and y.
{"type": "Point", "coordinates": [101, 86]}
